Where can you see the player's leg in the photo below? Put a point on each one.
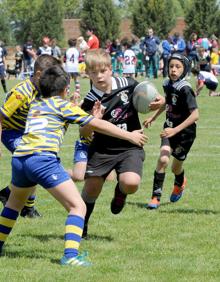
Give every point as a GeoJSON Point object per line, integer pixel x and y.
{"type": "Point", "coordinates": [129, 170]}
{"type": "Point", "coordinates": [77, 173]}
{"type": "Point", "coordinates": [77, 85]}
{"type": "Point", "coordinates": [2, 77]}
{"type": "Point", "coordinates": [11, 139]}
{"type": "Point", "coordinates": [67, 194]}
{"type": "Point", "coordinates": [159, 174]}
{"type": "Point", "coordinates": [10, 212]}
{"type": "Point", "coordinates": [184, 144]}
{"type": "Point", "coordinates": [91, 190]}
{"type": "Point", "coordinates": [21, 189]}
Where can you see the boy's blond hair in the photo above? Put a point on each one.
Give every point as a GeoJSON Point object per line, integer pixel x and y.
{"type": "Point", "coordinates": [97, 59]}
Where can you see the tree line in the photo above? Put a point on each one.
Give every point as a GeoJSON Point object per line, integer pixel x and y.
{"type": "Point", "coordinates": [23, 18]}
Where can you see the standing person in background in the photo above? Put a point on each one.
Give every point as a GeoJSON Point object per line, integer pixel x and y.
{"type": "Point", "coordinates": [18, 60]}
{"type": "Point", "coordinates": [45, 48]}
{"type": "Point", "coordinates": [179, 45]}
{"type": "Point", "coordinates": [149, 47]}
{"type": "Point", "coordinates": [192, 51]}
{"type": "Point", "coordinates": [28, 55]}
{"type": "Point", "coordinates": [129, 61]}
{"type": "Point", "coordinates": [56, 51]}
{"type": "Point", "coordinates": [71, 60]}
{"type": "Point", "coordinates": [3, 53]}
{"type": "Point", "coordinates": [93, 41]}
{"type": "Point", "coordinates": [166, 53]}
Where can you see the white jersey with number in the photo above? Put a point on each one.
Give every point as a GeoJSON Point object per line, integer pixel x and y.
{"type": "Point", "coordinates": [72, 60]}
{"type": "Point", "coordinates": [129, 61]}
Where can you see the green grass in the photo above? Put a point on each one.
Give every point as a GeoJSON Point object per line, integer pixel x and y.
{"type": "Point", "coordinates": [178, 242]}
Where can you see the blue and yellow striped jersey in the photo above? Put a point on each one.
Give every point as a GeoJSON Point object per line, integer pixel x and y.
{"type": "Point", "coordinates": [16, 105]}
{"type": "Point", "coordinates": [46, 124]}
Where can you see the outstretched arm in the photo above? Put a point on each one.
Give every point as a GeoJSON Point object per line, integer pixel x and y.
{"type": "Point", "coordinates": [136, 137]}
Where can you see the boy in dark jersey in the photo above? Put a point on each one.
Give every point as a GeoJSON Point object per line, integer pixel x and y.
{"type": "Point", "coordinates": [108, 153]}
{"type": "Point", "coordinates": [35, 159]}
{"type": "Point", "coordinates": [179, 130]}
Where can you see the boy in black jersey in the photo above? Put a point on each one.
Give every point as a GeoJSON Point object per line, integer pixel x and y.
{"type": "Point", "coordinates": [179, 130]}
{"type": "Point", "coordinates": [107, 153]}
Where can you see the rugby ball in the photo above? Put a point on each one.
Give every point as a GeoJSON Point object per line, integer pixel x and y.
{"type": "Point", "coordinates": [144, 93]}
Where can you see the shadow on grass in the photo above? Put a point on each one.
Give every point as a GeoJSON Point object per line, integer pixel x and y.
{"type": "Point", "coordinates": [190, 211]}
{"type": "Point", "coordinates": [175, 210]}
{"type": "Point", "coordinates": [98, 238]}
{"type": "Point", "coordinates": [44, 237]}
{"type": "Point", "coordinates": [144, 205]}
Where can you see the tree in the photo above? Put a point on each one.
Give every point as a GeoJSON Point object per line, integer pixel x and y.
{"type": "Point", "coordinates": [48, 21]}
{"type": "Point", "coordinates": [158, 14]}
{"type": "Point", "coordinates": [202, 17]}
{"type": "Point", "coordinates": [21, 14]}
{"type": "Point", "coordinates": [5, 32]}
{"type": "Point", "coordinates": [102, 17]}
{"type": "Point", "coordinates": [71, 8]}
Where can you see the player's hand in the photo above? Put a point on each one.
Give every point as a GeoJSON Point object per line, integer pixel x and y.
{"type": "Point", "coordinates": [147, 123]}
{"type": "Point", "coordinates": [168, 132]}
{"type": "Point", "coordinates": [138, 137]}
{"type": "Point", "coordinates": [98, 110]}
{"type": "Point", "coordinates": [157, 103]}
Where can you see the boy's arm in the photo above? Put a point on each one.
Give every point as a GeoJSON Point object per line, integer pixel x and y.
{"type": "Point", "coordinates": [104, 127]}
{"type": "Point", "coordinates": [199, 86]}
{"type": "Point", "coordinates": [149, 120]}
{"type": "Point", "coordinates": [169, 132]}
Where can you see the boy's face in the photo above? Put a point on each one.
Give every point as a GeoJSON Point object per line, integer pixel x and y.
{"type": "Point", "coordinates": [175, 69]}
{"type": "Point", "coordinates": [101, 78]}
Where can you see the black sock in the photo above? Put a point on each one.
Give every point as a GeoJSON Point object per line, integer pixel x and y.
{"type": "Point", "coordinates": [179, 179]}
{"type": "Point", "coordinates": [4, 85]}
{"type": "Point", "coordinates": [158, 184]}
{"type": "Point", "coordinates": [89, 210]}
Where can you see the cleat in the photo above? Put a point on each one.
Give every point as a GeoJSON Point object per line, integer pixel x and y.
{"type": "Point", "coordinates": [154, 204]}
{"type": "Point", "coordinates": [30, 212]}
{"type": "Point", "coordinates": [79, 260]}
{"type": "Point", "coordinates": [118, 202]}
{"type": "Point", "coordinates": [177, 192]}
{"type": "Point", "coordinates": [4, 195]}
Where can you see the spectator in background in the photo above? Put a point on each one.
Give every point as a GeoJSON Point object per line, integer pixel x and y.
{"type": "Point", "coordinates": [208, 79]}
{"type": "Point", "coordinates": [166, 53]}
{"type": "Point", "coordinates": [204, 59]}
{"type": "Point", "coordinates": [179, 44]}
{"type": "Point", "coordinates": [71, 59]}
{"type": "Point", "coordinates": [56, 51]}
{"type": "Point", "coordinates": [149, 47]}
{"type": "Point", "coordinates": [135, 46]}
{"type": "Point", "coordinates": [3, 53]}
{"type": "Point", "coordinates": [45, 48]}
{"type": "Point", "coordinates": [129, 60]}
{"type": "Point", "coordinates": [28, 55]}
{"type": "Point", "coordinates": [18, 60]}
{"type": "Point", "coordinates": [191, 51]}
{"type": "Point", "coordinates": [93, 41]}
{"type": "Point", "coordinates": [214, 60]}
{"type": "Point", "coordinates": [116, 54]}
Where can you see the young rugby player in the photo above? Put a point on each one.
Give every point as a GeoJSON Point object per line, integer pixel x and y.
{"type": "Point", "coordinates": [179, 130]}
{"type": "Point", "coordinates": [13, 115]}
{"type": "Point", "coordinates": [108, 153]}
{"type": "Point", "coordinates": [35, 159]}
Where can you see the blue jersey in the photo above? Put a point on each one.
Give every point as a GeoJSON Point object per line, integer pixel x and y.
{"type": "Point", "coordinates": [46, 124]}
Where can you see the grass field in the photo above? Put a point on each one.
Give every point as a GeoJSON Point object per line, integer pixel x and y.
{"type": "Point", "coordinates": [178, 242]}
